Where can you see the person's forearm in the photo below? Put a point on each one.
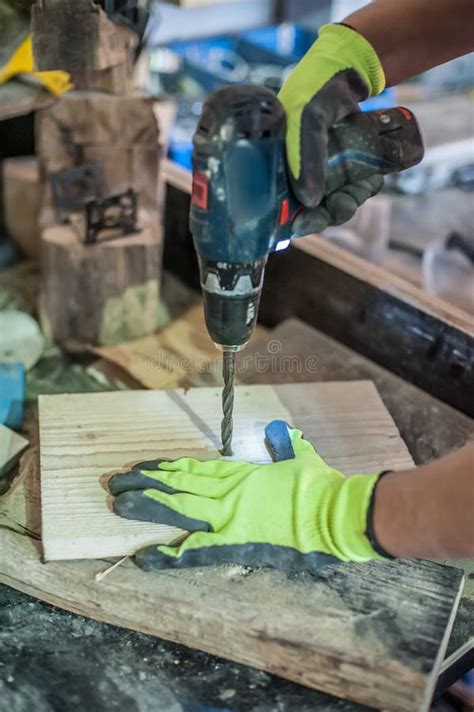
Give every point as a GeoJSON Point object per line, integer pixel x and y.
{"type": "Point", "coordinates": [411, 36]}
{"type": "Point", "coordinates": [428, 512]}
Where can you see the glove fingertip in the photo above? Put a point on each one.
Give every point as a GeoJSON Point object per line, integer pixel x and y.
{"type": "Point", "coordinates": [274, 426]}
{"type": "Point", "coordinates": [136, 480]}
{"type": "Point", "coordinates": [311, 221]}
{"type": "Point", "coordinates": [182, 464]}
{"type": "Point", "coordinates": [155, 558]}
{"type": "Point", "coordinates": [376, 182]}
{"type": "Point", "coordinates": [127, 504]}
{"type": "Point", "coordinates": [278, 438]}
{"type": "Point", "coordinates": [150, 464]}
{"type": "Point", "coordinates": [306, 193]}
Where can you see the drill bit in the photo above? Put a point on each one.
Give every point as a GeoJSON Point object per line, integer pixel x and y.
{"type": "Point", "coordinates": [228, 368]}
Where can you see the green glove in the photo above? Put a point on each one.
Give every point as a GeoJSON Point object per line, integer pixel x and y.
{"type": "Point", "coordinates": [295, 512]}
{"type": "Point", "coordinates": [339, 70]}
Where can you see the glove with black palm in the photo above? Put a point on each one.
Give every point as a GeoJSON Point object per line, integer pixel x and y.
{"type": "Point", "coordinates": [340, 70]}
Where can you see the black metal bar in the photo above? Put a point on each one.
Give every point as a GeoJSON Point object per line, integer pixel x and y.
{"type": "Point", "coordinates": [419, 347]}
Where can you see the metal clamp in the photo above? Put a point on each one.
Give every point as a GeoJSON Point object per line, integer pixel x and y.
{"type": "Point", "coordinates": [73, 186]}
{"type": "Point", "coordinates": [119, 212]}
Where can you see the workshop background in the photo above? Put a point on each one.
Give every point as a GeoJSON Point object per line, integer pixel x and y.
{"type": "Point", "coordinates": [120, 320]}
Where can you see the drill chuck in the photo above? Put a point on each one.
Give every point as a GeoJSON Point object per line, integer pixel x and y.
{"type": "Point", "coordinates": [230, 321]}
{"type": "Point", "coordinates": [231, 294]}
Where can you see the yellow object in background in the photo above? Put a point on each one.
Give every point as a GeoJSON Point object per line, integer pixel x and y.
{"type": "Point", "coordinates": [21, 63]}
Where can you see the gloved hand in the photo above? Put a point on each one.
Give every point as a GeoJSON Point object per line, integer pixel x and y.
{"type": "Point", "coordinates": [297, 512]}
{"type": "Point", "coordinates": [339, 70]}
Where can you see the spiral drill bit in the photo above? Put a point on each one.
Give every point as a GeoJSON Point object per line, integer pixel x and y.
{"type": "Point", "coordinates": [228, 368]}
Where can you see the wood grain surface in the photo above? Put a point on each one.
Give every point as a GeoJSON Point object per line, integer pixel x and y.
{"type": "Point", "coordinates": [386, 612]}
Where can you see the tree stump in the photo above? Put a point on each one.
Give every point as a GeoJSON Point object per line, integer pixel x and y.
{"type": "Point", "coordinates": [21, 203]}
{"type": "Point", "coordinates": [120, 132]}
{"type": "Point", "coordinates": [102, 293]}
{"type": "Point", "coordinates": [106, 292]}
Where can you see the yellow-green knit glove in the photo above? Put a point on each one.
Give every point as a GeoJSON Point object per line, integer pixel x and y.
{"type": "Point", "coordinates": [339, 70]}
{"type": "Point", "coordinates": [295, 512]}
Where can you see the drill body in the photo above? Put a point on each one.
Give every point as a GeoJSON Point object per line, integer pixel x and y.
{"type": "Point", "coordinates": [242, 207]}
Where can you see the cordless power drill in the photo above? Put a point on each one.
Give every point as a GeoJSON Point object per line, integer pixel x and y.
{"type": "Point", "coordinates": [242, 207]}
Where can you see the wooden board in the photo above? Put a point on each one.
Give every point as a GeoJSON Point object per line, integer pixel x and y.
{"type": "Point", "coordinates": [372, 633]}
{"type": "Point", "coordinates": [85, 436]}
{"type": "Point", "coordinates": [21, 203]}
{"type": "Point", "coordinates": [78, 37]}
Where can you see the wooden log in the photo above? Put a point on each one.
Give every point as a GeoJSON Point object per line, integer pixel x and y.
{"type": "Point", "coordinates": [21, 203]}
{"type": "Point", "coordinates": [121, 133]}
{"type": "Point", "coordinates": [102, 293]}
{"type": "Point", "coordinates": [109, 292]}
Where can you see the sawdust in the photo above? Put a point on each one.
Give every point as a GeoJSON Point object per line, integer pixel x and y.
{"type": "Point", "coordinates": [233, 571]}
{"type": "Point", "coordinates": [132, 314]}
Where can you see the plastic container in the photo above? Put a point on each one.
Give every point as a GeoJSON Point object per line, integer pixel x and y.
{"type": "Point", "coordinates": [286, 42]}
{"type": "Point", "coordinates": [180, 147]}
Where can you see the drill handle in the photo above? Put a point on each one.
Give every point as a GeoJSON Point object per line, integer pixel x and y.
{"type": "Point", "coordinates": [365, 143]}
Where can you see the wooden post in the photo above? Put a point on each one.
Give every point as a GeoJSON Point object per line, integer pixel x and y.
{"type": "Point", "coordinates": [102, 293]}
{"type": "Point", "coordinates": [77, 37]}
{"type": "Point", "coordinates": [106, 292]}
{"type": "Point", "coordinates": [21, 203]}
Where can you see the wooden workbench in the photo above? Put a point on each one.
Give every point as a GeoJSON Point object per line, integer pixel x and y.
{"type": "Point", "coordinates": [101, 665]}
{"type": "Point", "coordinates": [429, 427]}
{"type": "Point", "coordinates": [95, 658]}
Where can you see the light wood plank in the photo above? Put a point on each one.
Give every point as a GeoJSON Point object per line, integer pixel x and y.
{"type": "Point", "coordinates": [85, 436]}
